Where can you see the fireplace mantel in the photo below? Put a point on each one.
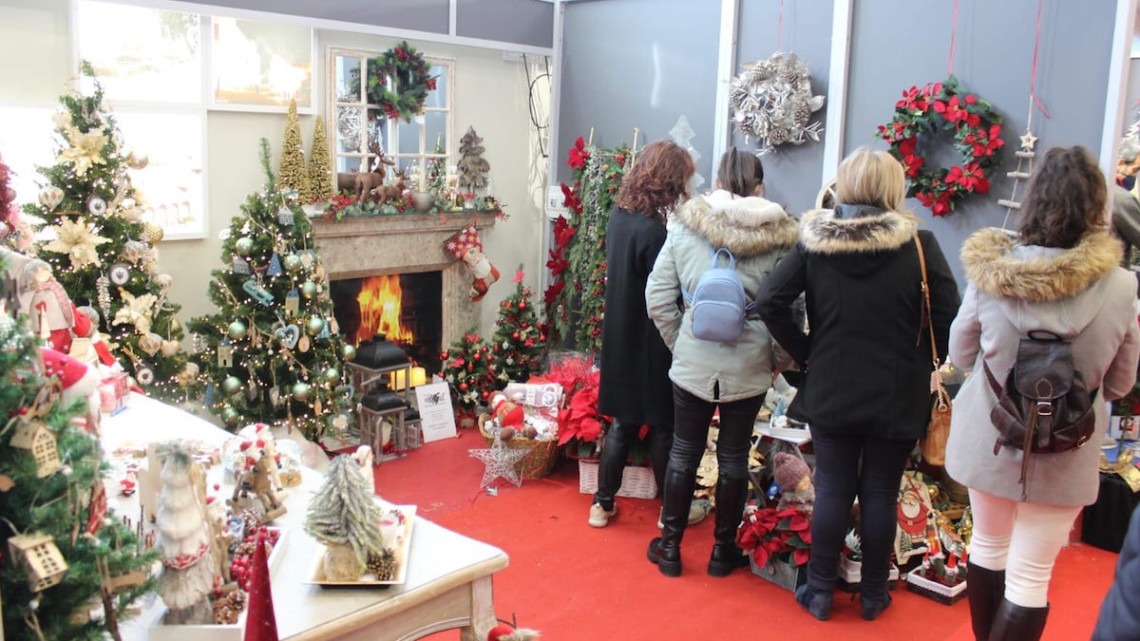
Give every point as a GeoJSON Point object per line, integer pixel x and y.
{"type": "Point", "coordinates": [401, 244]}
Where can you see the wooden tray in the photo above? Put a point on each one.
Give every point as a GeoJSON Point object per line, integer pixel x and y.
{"type": "Point", "coordinates": [401, 541]}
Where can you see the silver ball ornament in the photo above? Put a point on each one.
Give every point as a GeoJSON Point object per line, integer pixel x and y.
{"type": "Point", "coordinates": [301, 391]}
{"type": "Point", "coordinates": [237, 330]}
{"type": "Point", "coordinates": [309, 289]}
{"type": "Point", "coordinates": [231, 385]}
{"type": "Point", "coordinates": [243, 246]}
{"type": "Point", "coordinates": [315, 325]}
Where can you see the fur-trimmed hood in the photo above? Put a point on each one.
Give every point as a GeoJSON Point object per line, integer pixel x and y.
{"type": "Point", "coordinates": [1001, 268]}
{"type": "Point", "coordinates": [746, 226]}
{"type": "Point", "coordinates": [868, 230]}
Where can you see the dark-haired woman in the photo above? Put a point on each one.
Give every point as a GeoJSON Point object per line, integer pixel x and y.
{"type": "Point", "coordinates": [634, 386]}
{"type": "Point", "coordinates": [1058, 274]}
{"type": "Point", "coordinates": [707, 375]}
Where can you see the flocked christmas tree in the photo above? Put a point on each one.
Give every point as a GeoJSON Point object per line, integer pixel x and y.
{"type": "Point", "coordinates": [517, 343]}
{"type": "Point", "coordinates": [469, 369]}
{"type": "Point", "coordinates": [294, 175]}
{"type": "Point", "coordinates": [437, 169]}
{"type": "Point", "coordinates": [54, 501]}
{"type": "Point", "coordinates": [320, 167]}
{"type": "Point", "coordinates": [344, 516]}
{"type": "Point", "coordinates": [273, 352]}
{"type": "Point", "coordinates": [473, 167]}
{"type": "Point", "coordinates": [184, 538]}
{"type": "Point", "coordinates": [101, 250]}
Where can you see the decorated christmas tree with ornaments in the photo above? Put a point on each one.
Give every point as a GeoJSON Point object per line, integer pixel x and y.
{"type": "Point", "coordinates": [71, 570]}
{"type": "Point", "coordinates": [273, 351]}
{"type": "Point", "coordinates": [469, 369]}
{"type": "Point", "coordinates": [101, 251]}
{"type": "Point", "coordinates": [518, 343]}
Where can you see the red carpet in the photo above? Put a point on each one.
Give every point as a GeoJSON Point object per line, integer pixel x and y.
{"type": "Point", "coordinates": [571, 581]}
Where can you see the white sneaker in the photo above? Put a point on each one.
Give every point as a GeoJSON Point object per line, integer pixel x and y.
{"type": "Point", "coordinates": [698, 510]}
{"type": "Point", "coordinates": [599, 516]}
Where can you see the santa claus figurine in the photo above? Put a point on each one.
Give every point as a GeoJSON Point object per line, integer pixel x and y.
{"type": "Point", "coordinates": [504, 632]}
{"type": "Point", "coordinates": [77, 380]}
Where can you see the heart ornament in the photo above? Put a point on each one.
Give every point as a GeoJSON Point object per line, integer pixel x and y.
{"type": "Point", "coordinates": [288, 336]}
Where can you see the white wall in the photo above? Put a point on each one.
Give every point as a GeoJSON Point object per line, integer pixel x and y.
{"type": "Point", "coordinates": [490, 94]}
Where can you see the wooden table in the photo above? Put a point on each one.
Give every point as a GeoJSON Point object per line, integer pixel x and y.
{"type": "Point", "coordinates": [448, 582]}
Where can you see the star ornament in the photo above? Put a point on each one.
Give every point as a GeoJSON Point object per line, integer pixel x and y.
{"type": "Point", "coordinates": [1028, 141]}
{"type": "Point", "coordinates": [74, 238]}
{"type": "Point", "coordinates": [500, 461]}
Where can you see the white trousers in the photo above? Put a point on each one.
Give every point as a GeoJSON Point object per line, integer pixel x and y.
{"type": "Point", "coordinates": [1023, 539]}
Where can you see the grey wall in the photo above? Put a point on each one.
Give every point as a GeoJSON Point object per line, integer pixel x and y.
{"type": "Point", "coordinates": [792, 174]}
{"type": "Point", "coordinates": [1132, 97]}
{"type": "Point", "coordinates": [523, 21]}
{"type": "Point", "coordinates": [994, 58]}
{"type": "Point", "coordinates": [638, 63]}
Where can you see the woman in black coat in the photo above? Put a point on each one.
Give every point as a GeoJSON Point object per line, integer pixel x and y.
{"type": "Point", "coordinates": [1120, 614]}
{"type": "Point", "coordinates": [866, 390]}
{"type": "Point", "coordinates": [635, 388]}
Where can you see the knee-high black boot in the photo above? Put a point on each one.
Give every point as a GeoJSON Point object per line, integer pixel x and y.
{"type": "Point", "coordinates": [665, 550]}
{"type": "Point", "coordinates": [619, 440]}
{"type": "Point", "coordinates": [1015, 623]}
{"type": "Point", "coordinates": [731, 495]}
{"type": "Point", "coordinates": [985, 589]}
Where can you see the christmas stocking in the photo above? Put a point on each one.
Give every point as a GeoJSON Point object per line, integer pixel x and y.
{"type": "Point", "coordinates": [467, 247]}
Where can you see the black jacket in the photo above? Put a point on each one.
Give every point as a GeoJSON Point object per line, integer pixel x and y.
{"type": "Point", "coordinates": [867, 359]}
{"type": "Point", "coordinates": [635, 387]}
{"type": "Point", "coordinates": [1120, 614]}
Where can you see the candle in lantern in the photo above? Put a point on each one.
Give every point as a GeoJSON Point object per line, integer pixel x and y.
{"type": "Point", "coordinates": [419, 376]}
{"type": "Point", "coordinates": [397, 380]}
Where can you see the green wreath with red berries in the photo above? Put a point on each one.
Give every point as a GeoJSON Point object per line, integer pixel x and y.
{"type": "Point", "coordinates": [411, 80]}
{"type": "Point", "coordinates": [945, 109]}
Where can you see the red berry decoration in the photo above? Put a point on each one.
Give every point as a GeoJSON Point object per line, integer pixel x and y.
{"type": "Point", "coordinates": [443, 356]}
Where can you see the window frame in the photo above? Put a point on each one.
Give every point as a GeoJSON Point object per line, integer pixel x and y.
{"type": "Point", "coordinates": [391, 127]}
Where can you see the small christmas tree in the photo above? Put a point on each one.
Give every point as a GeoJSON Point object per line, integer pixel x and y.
{"type": "Point", "coordinates": [469, 368]}
{"type": "Point", "coordinates": [473, 167]}
{"type": "Point", "coordinates": [273, 350]}
{"type": "Point", "coordinates": [103, 561]}
{"type": "Point", "coordinates": [293, 175]}
{"type": "Point", "coordinates": [437, 169]}
{"type": "Point", "coordinates": [517, 343]}
{"type": "Point", "coordinates": [344, 516]}
{"type": "Point", "coordinates": [320, 168]}
{"type": "Point", "coordinates": [99, 248]}
{"type": "Point", "coordinates": [184, 538]}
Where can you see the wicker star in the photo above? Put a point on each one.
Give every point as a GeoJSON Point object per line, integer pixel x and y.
{"type": "Point", "coordinates": [500, 461]}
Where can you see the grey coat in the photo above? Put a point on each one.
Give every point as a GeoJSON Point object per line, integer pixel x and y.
{"type": "Point", "coordinates": [758, 233]}
{"type": "Point", "coordinates": [1078, 293]}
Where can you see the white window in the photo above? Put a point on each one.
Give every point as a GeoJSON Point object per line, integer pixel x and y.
{"type": "Point", "coordinates": [359, 130]}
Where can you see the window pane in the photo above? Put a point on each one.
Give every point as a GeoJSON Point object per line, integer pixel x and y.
{"type": "Point", "coordinates": [26, 141]}
{"type": "Point", "coordinates": [158, 62]}
{"type": "Point", "coordinates": [261, 63]}
{"type": "Point", "coordinates": [377, 132]}
{"type": "Point", "coordinates": [347, 79]}
{"type": "Point", "coordinates": [348, 124]}
{"type": "Point", "coordinates": [438, 98]}
{"type": "Point", "coordinates": [436, 124]}
{"type": "Point", "coordinates": [410, 166]}
{"type": "Point", "coordinates": [408, 137]}
{"type": "Point", "coordinates": [171, 183]}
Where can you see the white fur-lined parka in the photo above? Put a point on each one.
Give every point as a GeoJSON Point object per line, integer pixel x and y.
{"type": "Point", "coordinates": [758, 232]}
{"type": "Point", "coordinates": [1078, 293]}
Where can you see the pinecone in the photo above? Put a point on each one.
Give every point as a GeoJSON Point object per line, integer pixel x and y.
{"type": "Point", "coordinates": [382, 564]}
{"type": "Point", "coordinates": [801, 113]}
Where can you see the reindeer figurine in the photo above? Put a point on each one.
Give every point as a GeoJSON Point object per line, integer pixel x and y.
{"type": "Point", "coordinates": [362, 183]}
{"type": "Point", "coordinates": [256, 480]}
{"type": "Point", "coordinates": [392, 193]}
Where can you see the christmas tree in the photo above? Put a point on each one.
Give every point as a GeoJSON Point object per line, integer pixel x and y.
{"type": "Point", "coordinates": [469, 369]}
{"type": "Point", "coordinates": [44, 509]}
{"type": "Point", "coordinates": [293, 175]}
{"type": "Point", "coordinates": [320, 168]}
{"type": "Point", "coordinates": [437, 169]}
{"type": "Point", "coordinates": [343, 514]}
{"type": "Point", "coordinates": [183, 537]}
{"type": "Point", "coordinates": [517, 343]}
{"type": "Point", "coordinates": [273, 351]}
{"type": "Point", "coordinates": [473, 167]}
{"type": "Point", "coordinates": [100, 249]}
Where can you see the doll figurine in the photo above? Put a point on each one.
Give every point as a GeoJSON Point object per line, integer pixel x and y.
{"type": "Point", "coordinates": [50, 312]}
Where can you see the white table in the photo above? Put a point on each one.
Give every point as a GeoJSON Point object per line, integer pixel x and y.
{"type": "Point", "coordinates": [448, 583]}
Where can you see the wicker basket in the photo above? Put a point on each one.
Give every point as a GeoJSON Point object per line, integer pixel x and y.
{"type": "Point", "coordinates": [637, 482]}
{"type": "Point", "coordinates": [543, 452]}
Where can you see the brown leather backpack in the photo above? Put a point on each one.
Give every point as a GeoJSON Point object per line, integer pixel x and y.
{"type": "Point", "coordinates": [1044, 406]}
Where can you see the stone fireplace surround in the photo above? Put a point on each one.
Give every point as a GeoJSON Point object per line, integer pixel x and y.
{"type": "Point", "coordinates": [404, 244]}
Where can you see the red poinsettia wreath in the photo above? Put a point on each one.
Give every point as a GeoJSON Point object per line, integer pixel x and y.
{"type": "Point", "coordinates": [944, 108]}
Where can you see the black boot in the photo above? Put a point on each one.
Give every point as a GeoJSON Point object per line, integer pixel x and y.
{"type": "Point", "coordinates": [985, 589]}
{"type": "Point", "coordinates": [1015, 623]}
{"type": "Point", "coordinates": [665, 550]}
{"type": "Point", "coordinates": [615, 451]}
{"type": "Point", "coordinates": [731, 495]}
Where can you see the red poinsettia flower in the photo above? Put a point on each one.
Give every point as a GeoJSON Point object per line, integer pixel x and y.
{"type": "Point", "coordinates": [971, 99]}
{"type": "Point", "coordinates": [430, 84]}
{"type": "Point", "coordinates": [578, 154]}
{"type": "Point", "coordinates": [570, 199]}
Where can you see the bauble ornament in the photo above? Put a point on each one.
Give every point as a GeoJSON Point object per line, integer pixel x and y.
{"type": "Point", "coordinates": [243, 246]}
{"type": "Point", "coordinates": [153, 233]}
{"type": "Point", "coordinates": [150, 343]}
{"type": "Point", "coordinates": [237, 330]}
{"type": "Point", "coordinates": [309, 289]}
{"type": "Point", "coordinates": [51, 197]}
{"type": "Point", "coordinates": [164, 282]}
{"type": "Point", "coordinates": [301, 391]}
{"type": "Point", "coordinates": [292, 262]}
{"type": "Point", "coordinates": [97, 206]}
{"type": "Point", "coordinates": [348, 352]}
{"type": "Point", "coordinates": [331, 375]}
{"type": "Point", "coordinates": [463, 387]}
{"type": "Point", "coordinates": [315, 325]}
{"type": "Point", "coordinates": [170, 348]}
{"type": "Point", "coordinates": [137, 161]}
{"type": "Point", "coordinates": [522, 304]}
{"type": "Point", "coordinates": [230, 417]}
{"type": "Point", "coordinates": [231, 385]}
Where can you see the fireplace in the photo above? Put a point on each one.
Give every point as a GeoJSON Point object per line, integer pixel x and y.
{"type": "Point", "coordinates": [406, 308]}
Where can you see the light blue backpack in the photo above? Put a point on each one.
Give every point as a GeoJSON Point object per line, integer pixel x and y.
{"type": "Point", "coordinates": [718, 304]}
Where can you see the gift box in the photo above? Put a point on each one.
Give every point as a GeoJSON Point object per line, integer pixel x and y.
{"type": "Point", "coordinates": [113, 392]}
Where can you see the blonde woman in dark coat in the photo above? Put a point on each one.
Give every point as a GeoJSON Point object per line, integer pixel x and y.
{"type": "Point", "coordinates": [1058, 274]}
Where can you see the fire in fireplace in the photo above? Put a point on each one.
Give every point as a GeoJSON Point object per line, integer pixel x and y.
{"type": "Point", "coordinates": [407, 308]}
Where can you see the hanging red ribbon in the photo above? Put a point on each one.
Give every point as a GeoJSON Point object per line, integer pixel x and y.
{"type": "Point", "coordinates": [953, 37]}
{"type": "Point", "coordinates": [1033, 72]}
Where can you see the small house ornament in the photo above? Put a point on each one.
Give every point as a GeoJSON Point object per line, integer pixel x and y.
{"type": "Point", "coordinates": [225, 355]}
{"type": "Point", "coordinates": [41, 560]}
{"type": "Point", "coordinates": [285, 216]}
{"type": "Point", "coordinates": [34, 436]}
{"type": "Point", "coordinates": [292, 303]}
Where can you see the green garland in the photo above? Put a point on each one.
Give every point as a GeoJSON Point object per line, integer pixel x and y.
{"type": "Point", "coordinates": [410, 81]}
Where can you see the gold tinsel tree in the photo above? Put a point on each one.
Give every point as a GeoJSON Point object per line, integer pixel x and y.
{"type": "Point", "coordinates": [293, 175]}
{"type": "Point", "coordinates": [320, 168]}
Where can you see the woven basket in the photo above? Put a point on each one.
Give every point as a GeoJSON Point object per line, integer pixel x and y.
{"type": "Point", "coordinates": [543, 452]}
{"type": "Point", "coordinates": [637, 482]}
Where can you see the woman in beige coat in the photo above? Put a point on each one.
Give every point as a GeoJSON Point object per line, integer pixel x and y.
{"type": "Point", "coordinates": [1059, 274]}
